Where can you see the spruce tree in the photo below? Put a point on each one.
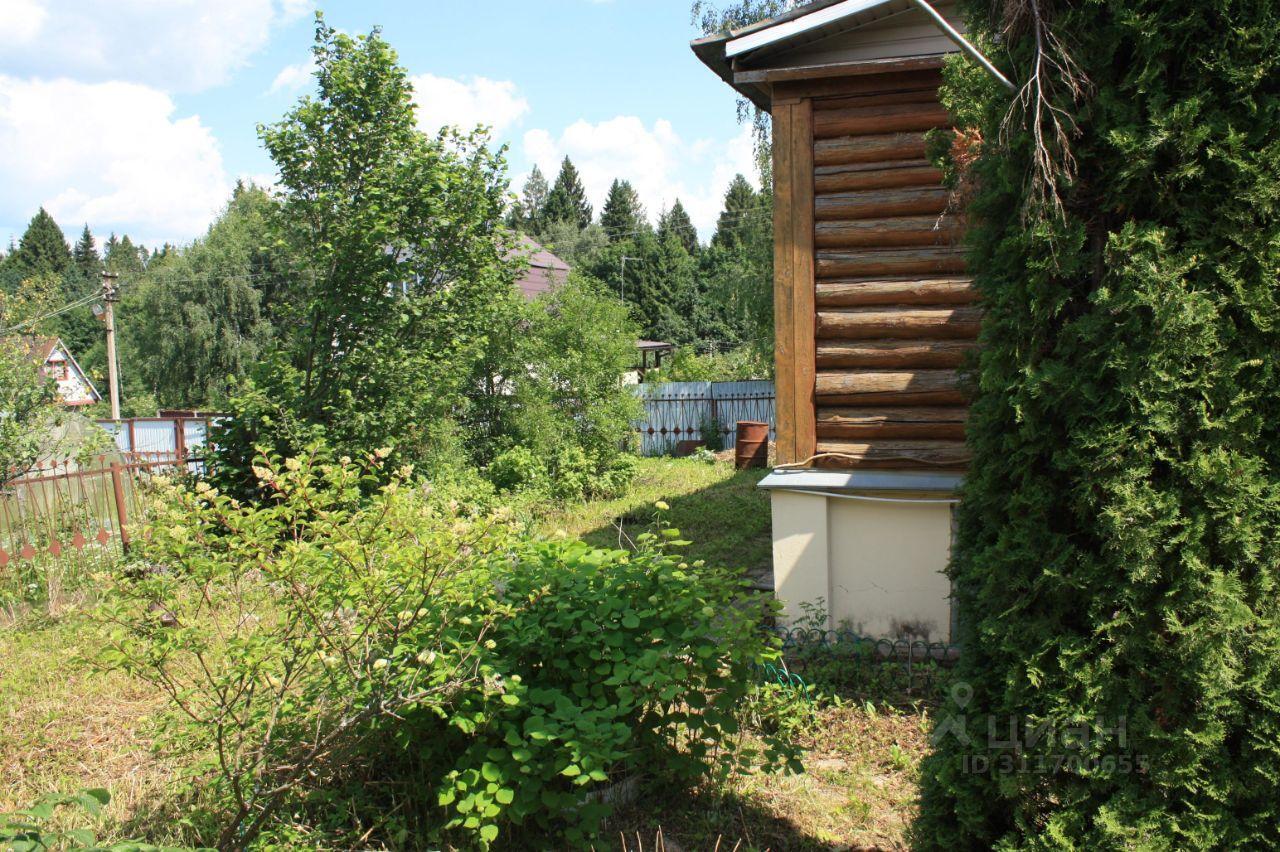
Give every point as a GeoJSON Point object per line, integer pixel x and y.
{"type": "Point", "coordinates": [676, 223]}
{"type": "Point", "coordinates": [741, 205]}
{"type": "Point", "coordinates": [42, 249]}
{"type": "Point", "coordinates": [567, 201]}
{"type": "Point", "coordinates": [85, 256]}
{"type": "Point", "coordinates": [1117, 562]}
{"type": "Point", "coordinates": [533, 201]}
{"type": "Point", "coordinates": [124, 258]}
{"type": "Point", "coordinates": [623, 214]}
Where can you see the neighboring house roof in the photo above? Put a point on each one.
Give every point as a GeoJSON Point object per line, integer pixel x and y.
{"type": "Point", "coordinates": [545, 272]}
{"type": "Point", "coordinates": [650, 345]}
{"type": "Point", "coordinates": [75, 388]}
{"type": "Point", "coordinates": [743, 57]}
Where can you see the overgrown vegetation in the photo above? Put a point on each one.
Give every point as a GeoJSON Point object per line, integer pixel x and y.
{"type": "Point", "coordinates": [1115, 567]}
{"type": "Point", "coordinates": [326, 642]}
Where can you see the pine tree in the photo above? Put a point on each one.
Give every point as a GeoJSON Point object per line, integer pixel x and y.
{"type": "Point", "coordinates": [623, 214]}
{"type": "Point", "coordinates": [676, 222]}
{"type": "Point", "coordinates": [567, 201]}
{"type": "Point", "coordinates": [533, 201]}
{"type": "Point", "coordinates": [1116, 569]}
{"type": "Point", "coordinates": [741, 204]}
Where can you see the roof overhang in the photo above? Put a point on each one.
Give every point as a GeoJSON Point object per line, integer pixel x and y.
{"type": "Point", "coordinates": [741, 57]}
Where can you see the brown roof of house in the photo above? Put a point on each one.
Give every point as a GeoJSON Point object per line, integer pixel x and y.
{"type": "Point", "coordinates": [39, 348]}
{"type": "Point", "coordinates": [545, 272]}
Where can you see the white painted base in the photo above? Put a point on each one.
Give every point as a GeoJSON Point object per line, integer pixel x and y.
{"type": "Point", "coordinates": [875, 566]}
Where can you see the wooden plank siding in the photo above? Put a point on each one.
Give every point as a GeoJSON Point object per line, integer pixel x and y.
{"type": "Point", "coordinates": [874, 310]}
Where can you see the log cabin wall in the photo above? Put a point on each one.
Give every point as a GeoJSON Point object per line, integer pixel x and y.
{"type": "Point", "coordinates": [874, 312]}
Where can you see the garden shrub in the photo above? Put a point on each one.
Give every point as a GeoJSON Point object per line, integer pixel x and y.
{"type": "Point", "coordinates": [612, 664]}
{"type": "Point", "coordinates": [1116, 562]}
{"type": "Point", "coordinates": [351, 638]}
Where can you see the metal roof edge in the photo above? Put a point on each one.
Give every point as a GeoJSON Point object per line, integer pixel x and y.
{"type": "Point", "coordinates": [810, 479]}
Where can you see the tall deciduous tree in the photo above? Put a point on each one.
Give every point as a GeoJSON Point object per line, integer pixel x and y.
{"type": "Point", "coordinates": [400, 238]}
{"type": "Point", "coordinates": [623, 214]}
{"type": "Point", "coordinates": [206, 314]}
{"type": "Point", "coordinates": [1117, 560]}
{"type": "Point", "coordinates": [567, 201]}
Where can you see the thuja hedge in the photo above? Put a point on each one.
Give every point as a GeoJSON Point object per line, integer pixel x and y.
{"type": "Point", "coordinates": [1119, 535]}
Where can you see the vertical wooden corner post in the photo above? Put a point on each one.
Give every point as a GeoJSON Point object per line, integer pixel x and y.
{"type": "Point", "coordinates": [117, 486]}
{"type": "Point", "coordinates": [793, 277]}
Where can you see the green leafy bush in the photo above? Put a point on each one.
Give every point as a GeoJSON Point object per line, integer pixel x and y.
{"type": "Point", "coordinates": [613, 664]}
{"type": "Point", "coordinates": [354, 638]}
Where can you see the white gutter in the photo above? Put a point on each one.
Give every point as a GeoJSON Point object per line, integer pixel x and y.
{"type": "Point", "coordinates": [963, 43]}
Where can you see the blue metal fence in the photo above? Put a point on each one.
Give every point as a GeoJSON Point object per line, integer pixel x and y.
{"type": "Point", "coordinates": [678, 411]}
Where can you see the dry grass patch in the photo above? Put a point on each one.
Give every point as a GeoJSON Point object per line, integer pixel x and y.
{"type": "Point", "coordinates": [68, 726]}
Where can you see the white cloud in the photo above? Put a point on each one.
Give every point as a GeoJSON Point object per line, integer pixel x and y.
{"type": "Point", "coordinates": [110, 154]}
{"type": "Point", "coordinates": [20, 21]}
{"type": "Point", "coordinates": [660, 165]}
{"type": "Point", "coordinates": [175, 45]}
{"type": "Point", "coordinates": [293, 78]}
{"type": "Point", "coordinates": [445, 101]}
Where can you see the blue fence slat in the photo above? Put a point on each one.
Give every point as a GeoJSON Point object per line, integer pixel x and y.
{"type": "Point", "coordinates": [678, 411]}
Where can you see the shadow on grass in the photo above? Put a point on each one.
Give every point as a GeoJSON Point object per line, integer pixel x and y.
{"type": "Point", "coordinates": [707, 820]}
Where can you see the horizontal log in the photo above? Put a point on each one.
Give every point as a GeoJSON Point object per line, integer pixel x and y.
{"type": "Point", "coordinates": [886, 354]}
{"type": "Point", "coordinates": [868, 149]}
{"type": "Point", "coordinates": [943, 322]}
{"type": "Point", "coordinates": [889, 388]}
{"type": "Point", "coordinates": [879, 203]}
{"type": "Point", "coordinates": [886, 118]}
{"type": "Point", "coordinates": [925, 93]}
{"type": "Point", "coordinates": [932, 455]}
{"type": "Point", "coordinates": [940, 260]}
{"type": "Point", "coordinates": [921, 422]}
{"type": "Point", "coordinates": [875, 78]}
{"type": "Point", "coordinates": [931, 230]}
{"type": "Point", "coordinates": [846, 293]}
{"type": "Point", "coordinates": [889, 174]}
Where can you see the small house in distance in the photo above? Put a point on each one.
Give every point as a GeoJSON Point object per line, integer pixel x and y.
{"type": "Point", "coordinates": [873, 310]}
{"type": "Point", "coordinates": [546, 272]}
{"type": "Point", "coordinates": [57, 363]}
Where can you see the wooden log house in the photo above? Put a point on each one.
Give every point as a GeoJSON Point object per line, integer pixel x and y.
{"type": "Point", "coordinates": [874, 311]}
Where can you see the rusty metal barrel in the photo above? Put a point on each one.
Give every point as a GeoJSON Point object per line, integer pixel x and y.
{"type": "Point", "coordinates": [752, 445]}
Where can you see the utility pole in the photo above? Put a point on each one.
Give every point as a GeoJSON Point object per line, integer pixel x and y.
{"type": "Point", "coordinates": [622, 282]}
{"type": "Point", "coordinates": [111, 295]}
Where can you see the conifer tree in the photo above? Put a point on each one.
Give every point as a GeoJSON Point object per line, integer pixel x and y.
{"type": "Point", "coordinates": [567, 201]}
{"type": "Point", "coordinates": [623, 214]}
{"type": "Point", "coordinates": [533, 201]}
{"type": "Point", "coordinates": [124, 258]}
{"type": "Point", "coordinates": [1117, 564]}
{"type": "Point", "coordinates": [741, 204]}
{"type": "Point", "coordinates": [85, 255]}
{"type": "Point", "coordinates": [676, 223]}
{"type": "Point", "coordinates": [42, 249]}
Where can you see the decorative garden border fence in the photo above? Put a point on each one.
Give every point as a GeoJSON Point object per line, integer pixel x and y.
{"type": "Point", "coordinates": [678, 411]}
{"type": "Point", "coordinates": [65, 519]}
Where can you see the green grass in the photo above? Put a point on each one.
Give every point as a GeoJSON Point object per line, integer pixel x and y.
{"type": "Point", "coordinates": [716, 507]}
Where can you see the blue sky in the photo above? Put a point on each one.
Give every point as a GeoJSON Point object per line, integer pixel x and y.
{"type": "Point", "coordinates": [137, 116]}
